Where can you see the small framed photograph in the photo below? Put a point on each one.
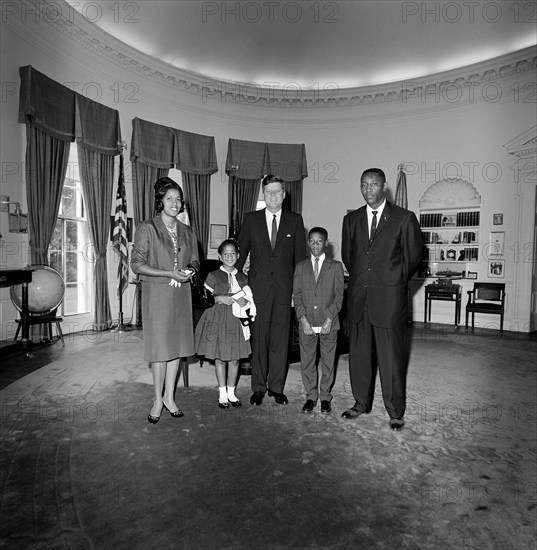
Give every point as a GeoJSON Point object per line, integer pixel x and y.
{"type": "Point", "coordinates": [472, 275]}
{"type": "Point", "coordinates": [449, 221]}
{"type": "Point", "coordinates": [217, 234]}
{"type": "Point", "coordinates": [496, 269]}
{"type": "Point", "coordinates": [497, 219]}
{"type": "Point", "coordinates": [496, 240]}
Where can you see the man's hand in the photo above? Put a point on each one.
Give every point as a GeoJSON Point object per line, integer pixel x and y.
{"type": "Point", "coordinates": [327, 325]}
{"type": "Point", "coordinates": [306, 326]}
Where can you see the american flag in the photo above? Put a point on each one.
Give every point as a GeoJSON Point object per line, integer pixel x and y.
{"type": "Point", "coordinates": [119, 236]}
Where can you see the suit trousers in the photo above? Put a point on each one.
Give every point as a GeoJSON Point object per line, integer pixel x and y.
{"type": "Point", "coordinates": [270, 342]}
{"type": "Point", "coordinates": [327, 363]}
{"type": "Point", "coordinates": [371, 347]}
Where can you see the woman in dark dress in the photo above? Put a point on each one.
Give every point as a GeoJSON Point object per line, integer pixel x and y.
{"type": "Point", "coordinates": [165, 254]}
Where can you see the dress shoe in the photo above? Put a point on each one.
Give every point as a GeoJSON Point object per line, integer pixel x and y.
{"type": "Point", "coordinates": [152, 419]}
{"type": "Point", "coordinates": [353, 413]}
{"type": "Point", "coordinates": [309, 405]}
{"type": "Point", "coordinates": [326, 408]}
{"type": "Point", "coordinates": [257, 398]}
{"type": "Point", "coordinates": [223, 405]}
{"type": "Point", "coordinates": [280, 398]}
{"type": "Point", "coordinates": [178, 413]}
{"type": "Point", "coordinates": [396, 424]}
{"type": "Point", "coordinates": [236, 403]}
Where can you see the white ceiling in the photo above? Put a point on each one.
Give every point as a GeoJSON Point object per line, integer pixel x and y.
{"type": "Point", "coordinates": [316, 44]}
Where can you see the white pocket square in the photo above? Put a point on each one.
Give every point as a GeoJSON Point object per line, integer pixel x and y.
{"type": "Point", "coordinates": [288, 235]}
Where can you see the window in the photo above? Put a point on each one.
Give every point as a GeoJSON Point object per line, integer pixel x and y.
{"type": "Point", "coordinates": [70, 251]}
{"type": "Point", "coordinates": [260, 199]}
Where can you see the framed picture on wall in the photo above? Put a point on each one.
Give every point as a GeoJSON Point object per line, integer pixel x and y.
{"type": "Point", "coordinates": [496, 269]}
{"type": "Point", "coordinates": [496, 240]}
{"type": "Point", "coordinates": [497, 219]}
{"type": "Point", "coordinates": [217, 234]}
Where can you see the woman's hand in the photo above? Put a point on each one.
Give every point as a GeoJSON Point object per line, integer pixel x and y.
{"type": "Point", "coordinates": [182, 275]}
{"type": "Point", "coordinates": [241, 301]}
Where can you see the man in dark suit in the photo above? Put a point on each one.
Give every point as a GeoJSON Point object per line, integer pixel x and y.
{"type": "Point", "coordinates": [381, 248]}
{"type": "Point", "coordinates": [318, 296]}
{"type": "Point", "coordinates": [276, 241]}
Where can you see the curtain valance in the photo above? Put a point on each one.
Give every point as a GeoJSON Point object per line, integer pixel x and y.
{"type": "Point", "coordinates": [47, 104]}
{"type": "Point", "coordinates": [97, 126]}
{"type": "Point", "coordinates": [64, 114]}
{"type": "Point", "coordinates": [164, 147]}
{"type": "Point", "coordinates": [254, 159]}
{"type": "Point", "coordinates": [196, 153]}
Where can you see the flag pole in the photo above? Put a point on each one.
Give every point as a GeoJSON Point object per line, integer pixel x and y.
{"type": "Point", "coordinates": [120, 242]}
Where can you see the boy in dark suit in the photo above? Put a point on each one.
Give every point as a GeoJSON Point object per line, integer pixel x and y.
{"type": "Point", "coordinates": [318, 297]}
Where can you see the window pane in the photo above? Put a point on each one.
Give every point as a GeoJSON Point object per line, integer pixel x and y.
{"type": "Point", "coordinates": [70, 242]}
{"type": "Point", "coordinates": [69, 200]}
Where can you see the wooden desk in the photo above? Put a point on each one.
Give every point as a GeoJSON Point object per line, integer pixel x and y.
{"type": "Point", "coordinates": [446, 293]}
{"type": "Point", "coordinates": [12, 277]}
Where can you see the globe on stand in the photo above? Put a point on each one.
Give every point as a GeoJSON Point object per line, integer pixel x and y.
{"type": "Point", "coordinates": [45, 292]}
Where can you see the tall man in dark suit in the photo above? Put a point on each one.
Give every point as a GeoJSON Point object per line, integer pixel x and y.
{"type": "Point", "coordinates": [276, 241]}
{"type": "Point", "coordinates": [381, 248]}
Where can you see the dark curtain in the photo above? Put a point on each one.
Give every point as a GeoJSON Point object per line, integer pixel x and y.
{"type": "Point", "coordinates": [46, 166]}
{"type": "Point", "coordinates": [98, 138]}
{"type": "Point", "coordinates": [154, 150]}
{"type": "Point", "coordinates": [246, 164]}
{"type": "Point", "coordinates": [143, 179]}
{"type": "Point", "coordinates": [293, 196]}
{"type": "Point", "coordinates": [97, 176]}
{"type": "Point", "coordinates": [197, 196]}
{"type": "Point", "coordinates": [243, 194]}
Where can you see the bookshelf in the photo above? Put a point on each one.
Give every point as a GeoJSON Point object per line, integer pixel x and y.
{"type": "Point", "coordinates": [450, 216]}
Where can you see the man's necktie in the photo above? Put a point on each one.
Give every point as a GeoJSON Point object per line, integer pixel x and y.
{"type": "Point", "coordinates": [316, 269]}
{"type": "Point", "coordinates": [373, 226]}
{"type": "Point", "coordinates": [274, 232]}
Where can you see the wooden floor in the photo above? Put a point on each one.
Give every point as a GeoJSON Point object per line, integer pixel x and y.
{"type": "Point", "coordinates": [14, 364]}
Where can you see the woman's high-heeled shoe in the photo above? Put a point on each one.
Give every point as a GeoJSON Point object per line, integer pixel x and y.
{"type": "Point", "coordinates": [153, 419]}
{"type": "Point", "coordinates": [176, 414]}
{"type": "Point", "coordinates": [236, 403]}
{"type": "Point", "coordinates": [223, 405]}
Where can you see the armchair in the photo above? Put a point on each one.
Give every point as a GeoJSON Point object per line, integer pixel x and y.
{"type": "Point", "coordinates": [486, 298]}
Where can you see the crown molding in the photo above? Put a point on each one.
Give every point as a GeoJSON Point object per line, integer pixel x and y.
{"type": "Point", "coordinates": [470, 84]}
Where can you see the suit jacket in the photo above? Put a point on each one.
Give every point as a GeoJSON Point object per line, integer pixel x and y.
{"type": "Point", "coordinates": [268, 268]}
{"type": "Point", "coordinates": [153, 246]}
{"type": "Point", "coordinates": [319, 299]}
{"type": "Point", "coordinates": [379, 273]}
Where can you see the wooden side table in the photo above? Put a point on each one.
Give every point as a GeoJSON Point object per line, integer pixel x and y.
{"type": "Point", "coordinates": [446, 293]}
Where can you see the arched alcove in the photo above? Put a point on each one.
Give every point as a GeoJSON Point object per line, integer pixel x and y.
{"type": "Point", "coordinates": [450, 193]}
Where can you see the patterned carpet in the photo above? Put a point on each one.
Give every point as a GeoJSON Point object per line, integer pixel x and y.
{"type": "Point", "coordinates": [81, 467]}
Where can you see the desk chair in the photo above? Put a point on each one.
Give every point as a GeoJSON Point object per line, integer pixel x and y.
{"type": "Point", "coordinates": [486, 298]}
{"type": "Point", "coordinates": [42, 319]}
